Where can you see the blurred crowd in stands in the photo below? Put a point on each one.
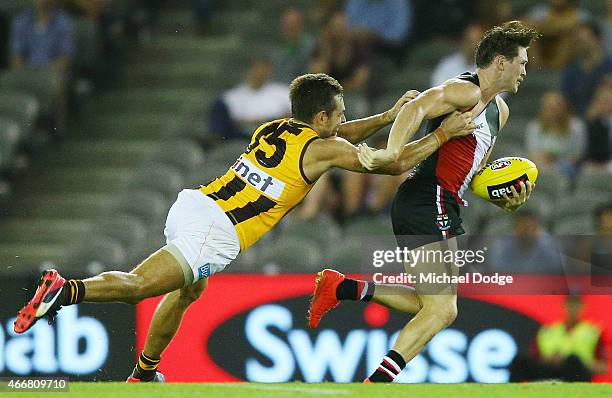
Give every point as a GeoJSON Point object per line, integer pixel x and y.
{"type": "Point", "coordinates": [53, 55]}
{"type": "Point", "coordinates": [377, 49]}
{"type": "Point", "coordinates": [570, 133]}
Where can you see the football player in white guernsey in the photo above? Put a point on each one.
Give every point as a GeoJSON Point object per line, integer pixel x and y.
{"type": "Point", "coordinates": [425, 211]}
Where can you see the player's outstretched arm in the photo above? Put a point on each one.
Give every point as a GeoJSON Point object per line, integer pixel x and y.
{"type": "Point", "coordinates": [324, 154]}
{"type": "Point", "coordinates": [439, 100]}
{"type": "Point", "coordinates": [358, 130]}
{"type": "Point", "coordinates": [455, 125]}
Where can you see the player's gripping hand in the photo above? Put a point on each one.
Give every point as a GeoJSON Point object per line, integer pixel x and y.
{"type": "Point", "coordinates": [458, 124]}
{"type": "Point", "coordinates": [391, 114]}
{"type": "Point", "coordinates": [518, 199]}
{"type": "Point", "coordinates": [372, 159]}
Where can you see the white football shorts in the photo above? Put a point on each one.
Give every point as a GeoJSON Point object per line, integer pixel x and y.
{"type": "Point", "coordinates": [200, 236]}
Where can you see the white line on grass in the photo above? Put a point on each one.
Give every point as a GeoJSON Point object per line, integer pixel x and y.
{"type": "Point", "coordinates": [311, 390]}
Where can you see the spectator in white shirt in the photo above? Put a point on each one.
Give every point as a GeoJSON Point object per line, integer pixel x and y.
{"type": "Point", "coordinates": [460, 61]}
{"type": "Point", "coordinates": [243, 108]}
{"type": "Point", "coordinates": [556, 138]}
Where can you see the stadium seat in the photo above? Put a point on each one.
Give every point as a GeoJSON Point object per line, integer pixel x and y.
{"type": "Point", "coordinates": [291, 255]}
{"type": "Point", "coordinates": [96, 253]}
{"type": "Point", "coordinates": [9, 138]}
{"type": "Point", "coordinates": [182, 75]}
{"type": "Point", "coordinates": [195, 128]}
{"type": "Point", "coordinates": [514, 131]}
{"type": "Point", "coordinates": [43, 84]}
{"type": "Point", "coordinates": [161, 101]}
{"type": "Point", "coordinates": [478, 208]}
{"type": "Point", "coordinates": [577, 225]}
{"type": "Point", "coordinates": [525, 105]}
{"type": "Point", "coordinates": [383, 65]}
{"type": "Point", "coordinates": [583, 203]}
{"type": "Point", "coordinates": [86, 44]}
{"type": "Point", "coordinates": [107, 153]}
{"type": "Point", "coordinates": [15, 7]}
{"type": "Point", "coordinates": [126, 126]}
{"type": "Point", "coordinates": [594, 182]}
{"type": "Point", "coordinates": [21, 108]}
{"type": "Point", "coordinates": [155, 240]}
{"type": "Point", "coordinates": [539, 81]}
{"type": "Point", "coordinates": [276, 7]}
{"type": "Point", "coordinates": [66, 205]}
{"type": "Point", "coordinates": [369, 225]}
{"type": "Point", "coordinates": [243, 22]}
{"type": "Point", "coordinates": [226, 152]}
{"type": "Point", "coordinates": [163, 179]}
{"type": "Point", "coordinates": [199, 109]}
{"type": "Point", "coordinates": [596, 7]}
{"type": "Point", "coordinates": [552, 184]}
{"type": "Point", "coordinates": [471, 225]}
{"type": "Point", "coordinates": [205, 174]}
{"type": "Point", "coordinates": [501, 224]}
{"type": "Point", "coordinates": [49, 230]}
{"type": "Point", "coordinates": [149, 206]}
{"type": "Point", "coordinates": [129, 230]}
{"type": "Point", "coordinates": [173, 21]}
{"type": "Point", "coordinates": [383, 103]}
{"type": "Point", "coordinates": [357, 106]}
{"type": "Point", "coordinates": [79, 179]}
{"type": "Point", "coordinates": [540, 204]}
{"type": "Point", "coordinates": [521, 7]}
{"type": "Point", "coordinates": [28, 258]}
{"type": "Point", "coordinates": [169, 48]}
{"type": "Point", "coordinates": [504, 148]}
{"type": "Point", "coordinates": [322, 230]}
{"type": "Point", "coordinates": [412, 77]}
{"type": "Point", "coordinates": [429, 53]}
{"type": "Point", "coordinates": [472, 216]}
{"type": "Point", "coordinates": [346, 255]}
{"type": "Point", "coordinates": [184, 155]}
{"type": "Point", "coordinates": [247, 261]}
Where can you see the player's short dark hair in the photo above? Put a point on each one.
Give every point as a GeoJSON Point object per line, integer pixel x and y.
{"type": "Point", "coordinates": [503, 40]}
{"type": "Point", "coordinates": [311, 94]}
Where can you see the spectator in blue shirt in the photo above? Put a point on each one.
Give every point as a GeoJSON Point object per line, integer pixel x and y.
{"type": "Point", "coordinates": [42, 37]}
{"type": "Point", "coordinates": [380, 24]}
{"type": "Point", "coordinates": [388, 20]}
{"type": "Point", "coordinates": [590, 64]}
{"type": "Point", "coordinates": [530, 249]}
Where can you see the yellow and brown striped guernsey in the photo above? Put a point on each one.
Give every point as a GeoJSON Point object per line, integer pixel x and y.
{"type": "Point", "coordinates": [266, 181]}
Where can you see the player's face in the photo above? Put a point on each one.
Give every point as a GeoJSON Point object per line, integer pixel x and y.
{"type": "Point", "coordinates": [515, 71]}
{"type": "Point", "coordinates": [336, 117]}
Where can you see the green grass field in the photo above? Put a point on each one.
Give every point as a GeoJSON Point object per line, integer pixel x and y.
{"type": "Point", "coordinates": [252, 390]}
